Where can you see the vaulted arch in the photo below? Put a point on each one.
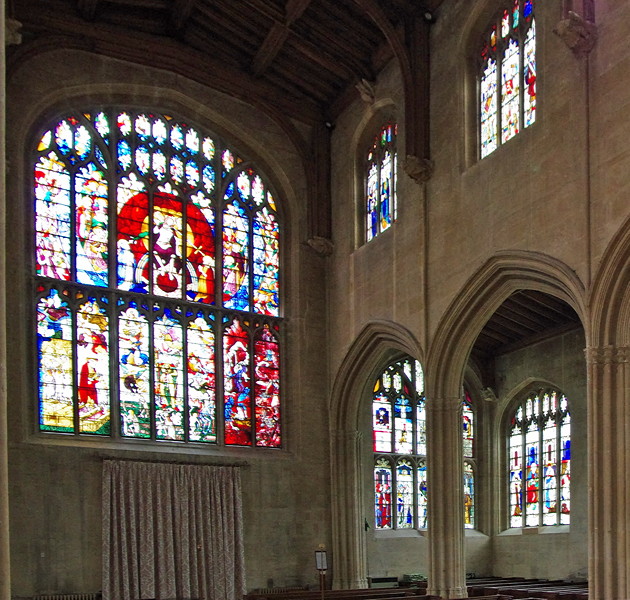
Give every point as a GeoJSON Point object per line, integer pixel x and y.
{"type": "Point", "coordinates": [378, 343]}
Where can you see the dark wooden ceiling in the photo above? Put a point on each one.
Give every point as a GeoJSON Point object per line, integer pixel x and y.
{"type": "Point", "coordinates": [304, 56]}
{"type": "Point", "coordinates": [526, 317]}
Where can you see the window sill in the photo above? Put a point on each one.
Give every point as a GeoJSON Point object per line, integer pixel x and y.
{"type": "Point", "coordinates": [546, 530]}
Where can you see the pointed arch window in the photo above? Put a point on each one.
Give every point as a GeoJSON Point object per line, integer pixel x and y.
{"type": "Point", "coordinates": [539, 460]}
{"type": "Point", "coordinates": [507, 76]}
{"type": "Point", "coordinates": [380, 181]}
{"type": "Point", "coordinates": [156, 282]}
{"type": "Point", "coordinates": [399, 444]}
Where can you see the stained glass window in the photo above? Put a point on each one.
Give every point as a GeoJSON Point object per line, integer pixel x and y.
{"type": "Point", "coordinates": [380, 181]}
{"type": "Point", "coordinates": [539, 461]}
{"type": "Point", "coordinates": [399, 444]}
{"type": "Point", "coordinates": [156, 283]}
{"type": "Point", "coordinates": [507, 76]}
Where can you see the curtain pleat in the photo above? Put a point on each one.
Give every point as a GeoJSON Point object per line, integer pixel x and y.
{"type": "Point", "coordinates": [172, 532]}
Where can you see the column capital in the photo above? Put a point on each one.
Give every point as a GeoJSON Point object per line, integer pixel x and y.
{"type": "Point", "coordinates": [607, 355]}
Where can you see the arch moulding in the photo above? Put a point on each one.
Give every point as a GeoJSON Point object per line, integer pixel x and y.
{"type": "Point", "coordinates": [378, 343]}
{"type": "Point", "coordinates": [501, 275]}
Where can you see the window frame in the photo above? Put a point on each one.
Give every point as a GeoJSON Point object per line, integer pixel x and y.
{"type": "Point", "coordinates": [113, 292]}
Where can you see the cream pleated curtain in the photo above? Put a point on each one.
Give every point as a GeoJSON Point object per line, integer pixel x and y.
{"type": "Point", "coordinates": [172, 532]}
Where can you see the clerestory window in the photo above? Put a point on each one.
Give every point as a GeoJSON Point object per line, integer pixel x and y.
{"type": "Point", "coordinates": [507, 76]}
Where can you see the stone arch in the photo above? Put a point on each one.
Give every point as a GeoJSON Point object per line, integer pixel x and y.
{"type": "Point", "coordinates": [378, 343]}
{"type": "Point", "coordinates": [502, 274]}
{"type": "Point", "coordinates": [609, 301]}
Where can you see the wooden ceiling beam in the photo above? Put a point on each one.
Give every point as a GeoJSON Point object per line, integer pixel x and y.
{"type": "Point", "coordinates": [182, 9]}
{"type": "Point", "coordinates": [277, 36]}
{"type": "Point", "coordinates": [270, 48]}
{"type": "Point", "coordinates": [146, 49]}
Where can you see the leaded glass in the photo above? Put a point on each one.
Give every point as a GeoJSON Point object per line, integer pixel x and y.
{"type": "Point", "coordinates": [468, 429]}
{"type": "Point", "coordinates": [404, 494]}
{"type": "Point", "coordinates": [380, 182]}
{"type": "Point", "coordinates": [507, 76]}
{"type": "Point", "coordinates": [383, 494]}
{"type": "Point", "coordinates": [128, 203]}
{"type": "Point", "coordinates": [423, 500]}
{"type": "Point", "coordinates": [399, 430]}
{"type": "Point", "coordinates": [267, 387]}
{"type": "Point", "coordinates": [469, 496]}
{"type": "Point", "coordinates": [539, 456]}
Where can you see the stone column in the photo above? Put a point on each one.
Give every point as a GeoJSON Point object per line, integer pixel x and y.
{"type": "Point", "coordinates": [5, 565]}
{"type": "Point", "coordinates": [349, 563]}
{"type": "Point", "coordinates": [447, 575]}
{"type": "Point", "coordinates": [609, 467]}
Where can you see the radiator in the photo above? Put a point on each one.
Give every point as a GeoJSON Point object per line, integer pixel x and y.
{"type": "Point", "coordinates": [92, 596]}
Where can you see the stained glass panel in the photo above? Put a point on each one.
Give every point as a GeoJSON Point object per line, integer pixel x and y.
{"type": "Point", "coordinates": [383, 494]}
{"type": "Point", "coordinates": [468, 430]}
{"type": "Point", "coordinates": [267, 388]}
{"type": "Point", "coordinates": [55, 361]}
{"type": "Point", "coordinates": [168, 357]}
{"type": "Point", "coordinates": [91, 225]}
{"type": "Point", "coordinates": [529, 77]}
{"type": "Point", "coordinates": [52, 220]}
{"type": "Point", "coordinates": [237, 384]}
{"type": "Point", "coordinates": [380, 182]}
{"type": "Point", "coordinates": [236, 257]}
{"type": "Point", "coordinates": [469, 496]}
{"type": "Point", "coordinates": [92, 356]}
{"type": "Point", "coordinates": [489, 90]}
{"type": "Point", "coordinates": [510, 91]}
{"type": "Point", "coordinates": [134, 372]}
{"type": "Point", "coordinates": [404, 494]}
{"type": "Point", "coordinates": [423, 501]}
{"type": "Point", "coordinates": [201, 380]}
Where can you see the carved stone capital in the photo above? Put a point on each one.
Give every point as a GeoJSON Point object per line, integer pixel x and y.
{"type": "Point", "coordinates": [608, 355]}
{"type": "Point", "coordinates": [323, 246]}
{"type": "Point", "coordinates": [366, 91]}
{"type": "Point", "coordinates": [12, 35]}
{"type": "Point", "coordinates": [577, 33]}
{"type": "Point", "coordinates": [419, 169]}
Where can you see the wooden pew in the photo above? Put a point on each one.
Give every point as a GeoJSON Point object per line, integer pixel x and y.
{"type": "Point", "coordinates": [353, 594]}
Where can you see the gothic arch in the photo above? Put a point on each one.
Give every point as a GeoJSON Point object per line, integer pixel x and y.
{"type": "Point", "coordinates": [501, 275]}
{"type": "Point", "coordinates": [379, 342]}
{"type": "Point", "coordinates": [610, 295]}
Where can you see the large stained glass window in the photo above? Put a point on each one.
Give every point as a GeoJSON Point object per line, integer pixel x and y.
{"type": "Point", "coordinates": [507, 76]}
{"type": "Point", "coordinates": [400, 446]}
{"type": "Point", "coordinates": [380, 181]}
{"type": "Point", "coordinates": [539, 460]}
{"type": "Point", "coordinates": [156, 283]}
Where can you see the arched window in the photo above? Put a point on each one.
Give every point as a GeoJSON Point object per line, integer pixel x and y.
{"type": "Point", "coordinates": [156, 283]}
{"type": "Point", "coordinates": [507, 76]}
{"type": "Point", "coordinates": [468, 433]}
{"type": "Point", "coordinates": [399, 443]}
{"type": "Point", "coordinates": [380, 181]}
{"type": "Point", "coordinates": [539, 460]}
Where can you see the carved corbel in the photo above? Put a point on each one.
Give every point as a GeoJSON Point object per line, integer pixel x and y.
{"type": "Point", "coordinates": [577, 33]}
{"type": "Point", "coordinates": [489, 395]}
{"type": "Point", "coordinates": [366, 91]}
{"type": "Point", "coordinates": [323, 246]}
{"type": "Point", "coordinates": [419, 169]}
{"type": "Point", "coordinates": [12, 34]}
